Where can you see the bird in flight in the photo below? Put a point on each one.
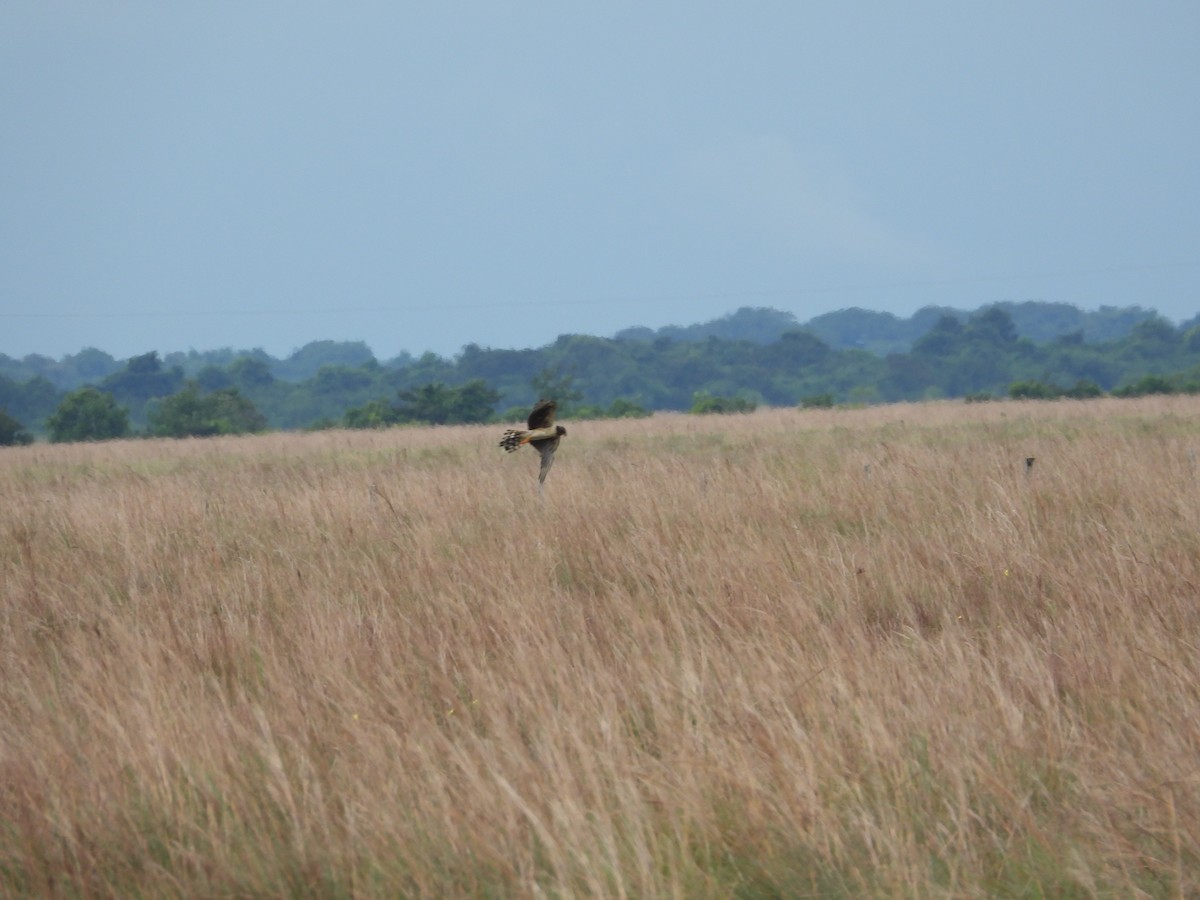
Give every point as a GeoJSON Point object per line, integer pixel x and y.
{"type": "Point", "coordinates": [543, 435]}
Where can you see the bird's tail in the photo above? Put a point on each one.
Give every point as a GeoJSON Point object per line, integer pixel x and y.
{"type": "Point", "coordinates": [513, 439]}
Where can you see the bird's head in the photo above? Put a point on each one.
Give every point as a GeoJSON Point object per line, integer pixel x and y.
{"type": "Point", "coordinates": [560, 431]}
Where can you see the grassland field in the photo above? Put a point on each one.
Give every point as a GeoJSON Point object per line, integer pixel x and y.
{"type": "Point", "coordinates": [826, 653]}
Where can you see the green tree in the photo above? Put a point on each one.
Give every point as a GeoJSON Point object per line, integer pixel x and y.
{"type": "Point", "coordinates": [992, 326]}
{"type": "Point", "coordinates": [554, 384]}
{"type": "Point", "coordinates": [214, 378]}
{"type": "Point", "coordinates": [1034, 390]}
{"type": "Point", "coordinates": [880, 332]}
{"type": "Point", "coordinates": [759, 325]}
{"type": "Point", "coordinates": [190, 413]}
{"type": "Point", "coordinates": [1147, 384]}
{"type": "Point", "coordinates": [943, 339]}
{"type": "Point", "coordinates": [88, 365]}
{"type": "Point", "coordinates": [437, 404]}
{"type": "Point", "coordinates": [308, 360]}
{"type": "Point", "coordinates": [704, 403]}
{"type": "Point", "coordinates": [12, 432]}
{"type": "Point", "coordinates": [430, 403]}
{"type": "Point", "coordinates": [375, 414]}
{"type": "Point", "coordinates": [796, 349]}
{"type": "Point", "coordinates": [907, 375]}
{"type": "Point", "coordinates": [1154, 338]}
{"type": "Point", "coordinates": [340, 380]}
{"type": "Point", "coordinates": [248, 372]}
{"type": "Point", "coordinates": [817, 401]}
{"type": "Point", "coordinates": [88, 414]}
{"type": "Point", "coordinates": [1084, 390]}
{"type": "Point", "coordinates": [142, 380]}
{"type": "Point", "coordinates": [624, 408]}
{"type": "Point", "coordinates": [475, 402]}
{"type": "Point", "coordinates": [30, 402]}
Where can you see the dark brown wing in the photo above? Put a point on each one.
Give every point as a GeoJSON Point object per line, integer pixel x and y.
{"type": "Point", "coordinates": [543, 414]}
{"type": "Point", "coordinates": [546, 448]}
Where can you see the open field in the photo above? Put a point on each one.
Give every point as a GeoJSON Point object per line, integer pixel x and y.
{"type": "Point", "coordinates": [820, 653]}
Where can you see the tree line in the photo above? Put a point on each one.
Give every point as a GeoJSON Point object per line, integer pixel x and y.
{"type": "Point", "coordinates": [748, 358]}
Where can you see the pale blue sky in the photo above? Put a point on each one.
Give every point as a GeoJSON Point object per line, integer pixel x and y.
{"type": "Point", "coordinates": [264, 174]}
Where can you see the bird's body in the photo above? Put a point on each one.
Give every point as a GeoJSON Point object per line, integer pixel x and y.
{"type": "Point", "coordinates": [542, 434]}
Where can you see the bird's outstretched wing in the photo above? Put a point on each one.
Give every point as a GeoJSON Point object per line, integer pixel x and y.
{"type": "Point", "coordinates": [543, 414]}
{"type": "Point", "coordinates": [546, 448]}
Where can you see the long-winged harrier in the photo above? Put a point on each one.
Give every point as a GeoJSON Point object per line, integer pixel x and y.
{"type": "Point", "coordinates": [543, 435]}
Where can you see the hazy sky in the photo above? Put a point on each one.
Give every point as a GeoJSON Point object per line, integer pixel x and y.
{"type": "Point", "coordinates": [423, 176]}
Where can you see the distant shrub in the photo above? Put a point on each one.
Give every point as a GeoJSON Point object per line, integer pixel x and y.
{"type": "Point", "coordinates": [704, 403]}
{"type": "Point", "coordinates": [12, 432]}
{"type": "Point", "coordinates": [1147, 384]}
{"type": "Point", "coordinates": [375, 414]}
{"type": "Point", "coordinates": [193, 413]}
{"type": "Point", "coordinates": [622, 408]}
{"type": "Point", "coordinates": [88, 414]}
{"type": "Point", "coordinates": [1042, 390]}
{"type": "Point", "coordinates": [1084, 390]}
{"type": "Point", "coordinates": [979, 397]}
{"type": "Point", "coordinates": [1034, 390]}
{"type": "Point", "coordinates": [817, 401]}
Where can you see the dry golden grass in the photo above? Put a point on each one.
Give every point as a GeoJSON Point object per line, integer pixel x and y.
{"type": "Point", "coordinates": [828, 653]}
